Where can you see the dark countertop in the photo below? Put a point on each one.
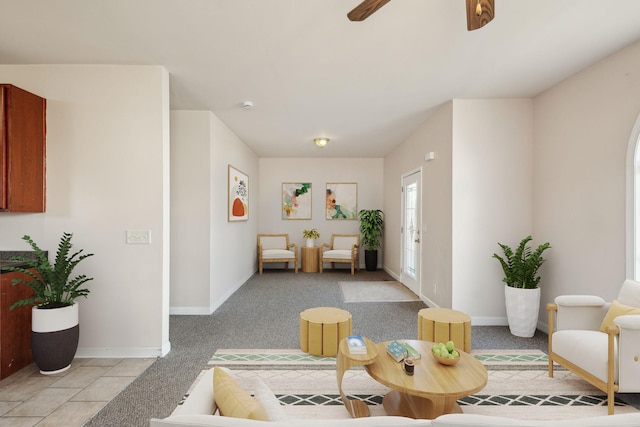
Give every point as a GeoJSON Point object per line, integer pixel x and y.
{"type": "Point", "coordinates": [5, 258]}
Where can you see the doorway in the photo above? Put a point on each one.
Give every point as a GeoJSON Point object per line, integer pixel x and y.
{"type": "Point", "coordinates": [410, 230]}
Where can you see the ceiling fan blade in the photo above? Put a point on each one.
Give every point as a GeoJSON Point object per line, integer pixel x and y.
{"type": "Point", "coordinates": [475, 21]}
{"type": "Point", "coordinates": [365, 9]}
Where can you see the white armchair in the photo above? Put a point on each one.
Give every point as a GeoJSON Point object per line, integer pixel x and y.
{"type": "Point", "coordinates": [276, 248]}
{"type": "Point", "coordinates": [343, 248]}
{"type": "Point", "coordinates": [598, 341]}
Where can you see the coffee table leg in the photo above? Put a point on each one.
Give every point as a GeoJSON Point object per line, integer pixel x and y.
{"type": "Point", "coordinates": [356, 408]}
{"type": "Point", "coordinates": [406, 405]}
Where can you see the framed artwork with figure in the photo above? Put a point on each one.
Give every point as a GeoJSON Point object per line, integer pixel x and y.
{"type": "Point", "coordinates": [238, 191]}
{"type": "Point", "coordinates": [342, 200]}
{"type": "Point", "coordinates": [296, 200]}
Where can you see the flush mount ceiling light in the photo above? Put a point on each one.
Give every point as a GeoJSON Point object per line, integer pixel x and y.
{"type": "Point", "coordinates": [247, 105]}
{"type": "Point", "coordinates": [321, 142]}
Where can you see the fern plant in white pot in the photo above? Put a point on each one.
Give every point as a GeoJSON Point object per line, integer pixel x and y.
{"type": "Point", "coordinates": [522, 293]}
{"type": "Point", "coordinates": [55, 329]}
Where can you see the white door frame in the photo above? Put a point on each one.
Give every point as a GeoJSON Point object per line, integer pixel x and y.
{"type": "Point", "coordinates": [411, 279]}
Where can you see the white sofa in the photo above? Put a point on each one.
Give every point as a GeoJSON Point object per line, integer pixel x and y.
{"type": "Point", "coordinates": [197, 409]}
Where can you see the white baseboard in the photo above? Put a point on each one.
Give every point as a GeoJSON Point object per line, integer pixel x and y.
{"type": "Point", "coordinates": [122, 352]}
{"type": "Point", "coordinates": [488, 321]}
{"type": "Point", "coordinates": [190, 311]}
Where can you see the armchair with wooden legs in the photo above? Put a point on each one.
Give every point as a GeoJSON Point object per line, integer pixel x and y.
{"type": "Point", "coordinates": [598, 341]}
{"type": "Point", "coordinates": [343, 248]}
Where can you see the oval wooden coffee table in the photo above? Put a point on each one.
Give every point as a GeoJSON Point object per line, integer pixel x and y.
{"type": "Point", "coordinates": [433, 389]}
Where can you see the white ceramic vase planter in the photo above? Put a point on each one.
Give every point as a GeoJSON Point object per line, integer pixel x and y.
{"type": "Point", "coordinates": [54, 338]}
{"type": "Point", "coordinates": [522, 310]}
{"type": "Point", "coordinates": [310, 243]}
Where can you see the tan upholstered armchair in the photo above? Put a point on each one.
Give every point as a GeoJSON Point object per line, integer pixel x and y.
{"type": "Point", "coordinates": [343, 248]}
{"type": "Point", "coordinates": [598, 341]}
{"type": "Point", "coordinates": [276, 248]}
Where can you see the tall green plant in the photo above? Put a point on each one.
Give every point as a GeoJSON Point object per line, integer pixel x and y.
{"type": "Point", "coordinates": [520, 267]}
{"type": "Point", "coordinates": [371, 226]}
{"type": "Point", "coordinates": [51, 284]}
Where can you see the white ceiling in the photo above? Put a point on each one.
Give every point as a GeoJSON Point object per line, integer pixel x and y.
{"type": "Point", "coordinates": [310, 71]}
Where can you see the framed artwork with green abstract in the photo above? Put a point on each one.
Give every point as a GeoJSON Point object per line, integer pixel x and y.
{"type": "Point", "coordinates": [238, 191]}
{"type": "Point", "coordinates": [296, 200]}
{"type": "Point", "coordinates": [342, 200]}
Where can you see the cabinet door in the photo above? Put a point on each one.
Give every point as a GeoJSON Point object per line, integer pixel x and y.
{"type": "Point", "coordinates": [3, 152]}
{"type": "Point", "coordinates": [15, 326]}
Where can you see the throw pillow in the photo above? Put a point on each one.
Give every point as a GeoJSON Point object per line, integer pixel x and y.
{"type": "Point", "coordinates": [270, 403]}
{"type": "Point", "coordinates": [617, 309]}
{"type": "Point", "coordinates": [232, 400]}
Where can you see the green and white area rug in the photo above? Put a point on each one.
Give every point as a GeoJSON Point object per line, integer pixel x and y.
{"type": "Point", "coordinates": [518, 385]}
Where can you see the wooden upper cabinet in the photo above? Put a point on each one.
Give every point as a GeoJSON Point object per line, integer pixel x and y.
{"type": "Point", "coordinates": [22, 150]}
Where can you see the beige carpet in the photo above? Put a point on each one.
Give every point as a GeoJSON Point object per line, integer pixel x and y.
{"type": "Point", "coordinates": [518, 385]}
{"type": "Point", "coordinates": [384, 291]}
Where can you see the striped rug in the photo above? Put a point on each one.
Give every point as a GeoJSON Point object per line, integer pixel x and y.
{"type": "Point", "coordinates": [518, 385]}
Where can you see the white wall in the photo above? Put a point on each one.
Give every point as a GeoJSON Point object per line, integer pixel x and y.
{"type": "Point", "coordinates": [209, 259]}
{"type": "Point", "coordinates": [368, 173]}
{"type": "Point", "coordinates": [107, 171]}
{"type": "Point", "coordinates": [475, 193]}
{"type": "Point", "coordinates": [492, 199]}
{"type": "Point", "coordinates": [190, 211]}
{"type": "Point", "coordinates": [581, 132]}
{"type": "Point", "coordinates": [433, 135]}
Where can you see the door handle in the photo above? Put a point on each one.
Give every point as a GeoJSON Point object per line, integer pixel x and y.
{"type": "Point", "coordinates": [417, 240]}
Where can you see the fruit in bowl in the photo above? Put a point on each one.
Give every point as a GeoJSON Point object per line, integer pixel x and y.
{"type": "Point", "coordinates": [445, 353]}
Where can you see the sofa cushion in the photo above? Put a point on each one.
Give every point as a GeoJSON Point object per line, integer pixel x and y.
{"type": "Point", "coordinates": [232, 400]}
{"type": "Point", "coordinates": [616, 309]}
{"type": "Point", "coordinates": [270, 403]}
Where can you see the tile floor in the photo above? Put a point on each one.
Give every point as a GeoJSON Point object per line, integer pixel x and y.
{"type": "Point", "coordinates": [28, 398]}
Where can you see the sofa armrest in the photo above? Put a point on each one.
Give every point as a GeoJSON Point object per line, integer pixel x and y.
{"type": "Point", "coordinates": [200, 400]}
{"type": "Point", "coordinates": [628, 352]}
{"type": "Point", "coordinates": [580, 312]}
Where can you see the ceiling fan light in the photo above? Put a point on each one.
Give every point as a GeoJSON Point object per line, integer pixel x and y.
{"type": "Point", "coordinates": [321, 142]}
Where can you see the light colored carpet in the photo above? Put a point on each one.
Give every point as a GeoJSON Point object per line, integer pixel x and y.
{"type": "Point", "coordinates": [518, 385]}
{"type": "Point", "coordinates": [378, 291]}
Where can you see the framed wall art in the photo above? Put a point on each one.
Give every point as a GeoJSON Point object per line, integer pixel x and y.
{"type": "Point", "coordinates": [238, 191]}
{"type": "Point", "coordinates": [342, 200]}
{"type": "Point", "coordinates": [296, 200]}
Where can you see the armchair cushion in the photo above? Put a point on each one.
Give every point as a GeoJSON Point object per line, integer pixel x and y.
{"type": "Point", "coordinates": [630, 293]}
{"type": "Point", "coordinates": [585, 349]}
{"type": "Point", "coordinates": [338, 254]}
{"type": "Point", "coordinates": [278, 254]}
{"type": "Point", "coordinates": [273, 242]}
{"type": "Point", "coordinates": [616, 309]}
{"type": "Point", "coordinates": [344, 242]}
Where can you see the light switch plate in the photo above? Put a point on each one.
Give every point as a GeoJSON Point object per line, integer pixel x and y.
{"type": "Point", "coordinates": [138, 237]}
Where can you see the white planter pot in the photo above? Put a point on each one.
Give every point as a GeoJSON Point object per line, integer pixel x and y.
{"type": "Point", "coordinates": [54, 337]}
{"type": "Point", "coordinates": [522, 310]}
{"type": "Point", "coordinates": [309, 243]}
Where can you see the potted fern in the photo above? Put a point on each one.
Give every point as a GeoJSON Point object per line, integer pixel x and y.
{"type": "Point", "coordinates": [54, 323]}
{"type": "Point", "coordinates": [371, 227]}
{"type": "Point", "coordinates": [522, 293]}
{"type": "Point", "coordinates": [311, 236]}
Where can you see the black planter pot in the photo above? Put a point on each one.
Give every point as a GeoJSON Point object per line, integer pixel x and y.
{"type": "Point", "coordinates": [54, 338]}
{"type": "Point", "coordinates": [371, 260]}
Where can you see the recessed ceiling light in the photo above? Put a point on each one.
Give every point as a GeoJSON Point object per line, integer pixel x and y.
{"type": "Point", "coordinates": [247, 105]}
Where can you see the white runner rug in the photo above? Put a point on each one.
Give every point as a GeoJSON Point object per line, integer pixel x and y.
{"type": "Point", "coordinates": [376, 291]}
